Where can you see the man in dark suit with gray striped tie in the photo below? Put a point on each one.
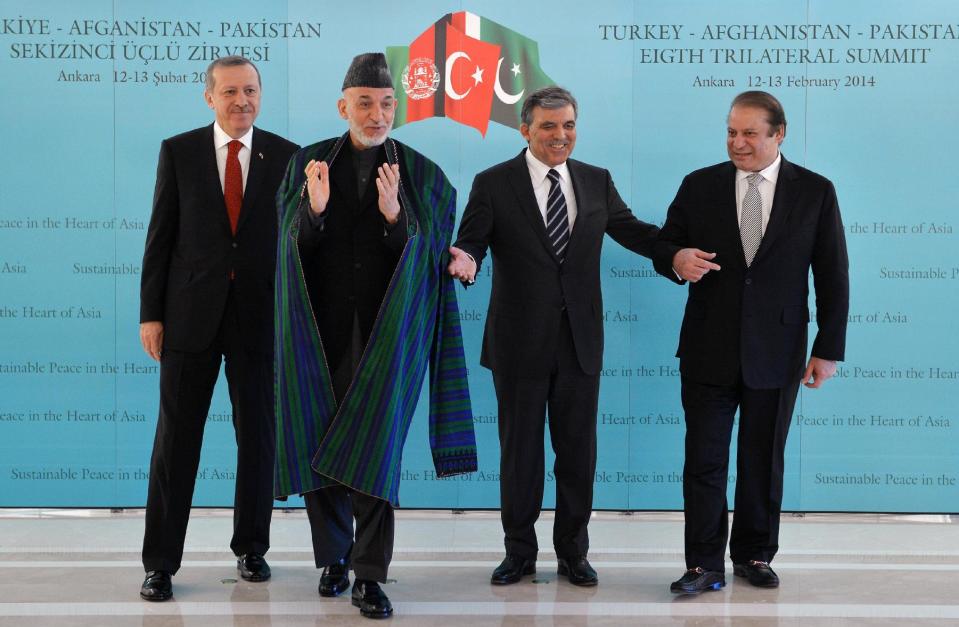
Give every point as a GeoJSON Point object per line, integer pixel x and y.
{"type": "Point", "coordinates": [543, 216]}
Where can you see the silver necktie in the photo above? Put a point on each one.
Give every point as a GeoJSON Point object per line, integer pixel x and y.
{"type": "Point", "coordinates": [751, 220]}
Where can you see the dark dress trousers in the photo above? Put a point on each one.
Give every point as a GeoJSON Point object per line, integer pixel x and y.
{"type": "Point", "coordinates": [743, 345]}
{"type": "Point", "coordinates": [544, 339]}
{"type": "Point", "coordinates": [349, 255]}
{"type": "Point", "coordinates": [213, 292]}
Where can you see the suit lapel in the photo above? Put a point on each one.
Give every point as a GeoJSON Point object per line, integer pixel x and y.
{"type": "Point", "coordinates": [259, 153]}
{"type": "Point", "coordinates": [782, 206]}
{"type": "Point", "coordinates": [582, 189]}
{"type": "Point", "coordinates": [523, 188]}
{"type": "Point", "coordinates": [211, 175]}
{"type": "Point", "coordinates": [730, 211]}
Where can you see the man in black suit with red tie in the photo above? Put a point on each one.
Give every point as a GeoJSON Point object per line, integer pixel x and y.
{"type": "Point", "coordinates": [544, 217]}
{"type": "Point", "coordinates": [745, 233]}
{"type": "Point", "coordinates": [206, 296]}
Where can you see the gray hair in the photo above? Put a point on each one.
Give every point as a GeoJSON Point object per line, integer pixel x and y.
{"type": "Point", "coordinates": [552, 97]}
{"type": "Point", "coordinates": [231, 61]}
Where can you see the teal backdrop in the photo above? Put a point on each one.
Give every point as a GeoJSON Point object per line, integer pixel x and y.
{"type": "Point", "coordinates": [90, 88]}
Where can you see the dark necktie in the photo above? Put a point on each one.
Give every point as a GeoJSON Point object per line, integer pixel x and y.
{"type": "Point", "coordinates": [557, 218]}
{"type": "Point", "coordinates": [233, 183]}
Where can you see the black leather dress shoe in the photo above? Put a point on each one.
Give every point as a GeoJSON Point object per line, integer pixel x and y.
{"type": "Point", "coordinates": [370, 598]}
{"type": "Point", "coordinates": [253, 567]}
{"type": "Point", "coordinates": [758, 573]}
{"type": "Point", "coordinates": [696, 580]}
{"type": "Point", "coordinates": [512, 569]}
{"type": "Point", "coordinates": [578, 570]}
{"type": "Point", "coordinates": [335, 579]}
{"type": "Point", "coordinates": [157, 586]}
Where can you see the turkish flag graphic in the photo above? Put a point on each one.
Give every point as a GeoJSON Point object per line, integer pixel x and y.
{"type": "Point", "coordinates": [470, 76]}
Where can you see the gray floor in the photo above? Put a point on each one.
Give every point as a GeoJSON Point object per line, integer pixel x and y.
{"type": "Point", "coordinates": [81, 567]}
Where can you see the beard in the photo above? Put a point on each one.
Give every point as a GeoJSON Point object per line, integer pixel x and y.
{"type": "Point", "coordinates": [362, 138]}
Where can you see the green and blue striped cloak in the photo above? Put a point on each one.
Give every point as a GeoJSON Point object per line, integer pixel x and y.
{"type": "Point", "coordinates": [360, 443]}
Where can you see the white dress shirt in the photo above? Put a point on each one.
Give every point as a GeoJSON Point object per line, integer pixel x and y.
{"type": "Point", "coordinates": [537, 173]}
{"type": "Point", "coordinates": [220, 143]}
{"type": "Point", "coordinates": [767, 189]}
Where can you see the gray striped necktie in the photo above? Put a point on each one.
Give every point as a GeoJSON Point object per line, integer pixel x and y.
{"type": "Point", "coordinates": [557, 219]}
{"type": "Point", "coordinates": [751, 220]}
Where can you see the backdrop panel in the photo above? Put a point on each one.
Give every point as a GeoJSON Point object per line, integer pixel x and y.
{"type": "Point", "coordinates": [92, 87]}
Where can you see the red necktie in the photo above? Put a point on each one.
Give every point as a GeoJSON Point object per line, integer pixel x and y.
{"type": "Point", "coordinates": [233, 184]}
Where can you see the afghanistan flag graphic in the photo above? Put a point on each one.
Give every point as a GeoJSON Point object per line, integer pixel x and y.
{"type": "Point", "coordinates": [466, 68]}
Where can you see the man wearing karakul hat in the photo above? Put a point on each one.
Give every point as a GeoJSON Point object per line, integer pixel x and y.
{"type": "Point", "coordinates": [363, 304]}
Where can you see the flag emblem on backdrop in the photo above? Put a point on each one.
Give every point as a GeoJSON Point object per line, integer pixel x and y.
{"type": "Point", "coordinates": [420, 78]}
{"type": "Point", "coordinates": [466, 68]}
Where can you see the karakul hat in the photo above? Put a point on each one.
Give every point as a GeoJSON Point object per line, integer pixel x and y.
{"type": "Point", "coordinates": [368, 70]}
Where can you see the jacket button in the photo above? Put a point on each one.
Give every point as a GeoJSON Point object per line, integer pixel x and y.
{"type": "Point", "coordinates": [357, 265]}
{"type": "Point", "coordinates": [235, 244]}
{"type": "Point", "coordinates": [749, 281]}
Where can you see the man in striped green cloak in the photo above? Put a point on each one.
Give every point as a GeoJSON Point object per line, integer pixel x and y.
{"type": "Point", "coordinates": [363, 305]}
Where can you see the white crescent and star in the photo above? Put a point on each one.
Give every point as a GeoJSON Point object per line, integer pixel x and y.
{"type": "Point", "coordinates": [501, 93]}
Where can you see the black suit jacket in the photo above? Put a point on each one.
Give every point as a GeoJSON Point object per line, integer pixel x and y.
{"type": "Point", "coordinates": [754, 320]}
{"type": "Point", "coordinates": [531, 288]}
{"type": "Point", "coordinates": [191, 252]}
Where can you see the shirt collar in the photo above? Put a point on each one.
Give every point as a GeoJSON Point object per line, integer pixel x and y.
{"type": "Point", "coordinates": [221, 139]}
{"type": "Point", "coordinates": [538, 169]}
{"type": "Point", "coordinates": [769, 173]}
